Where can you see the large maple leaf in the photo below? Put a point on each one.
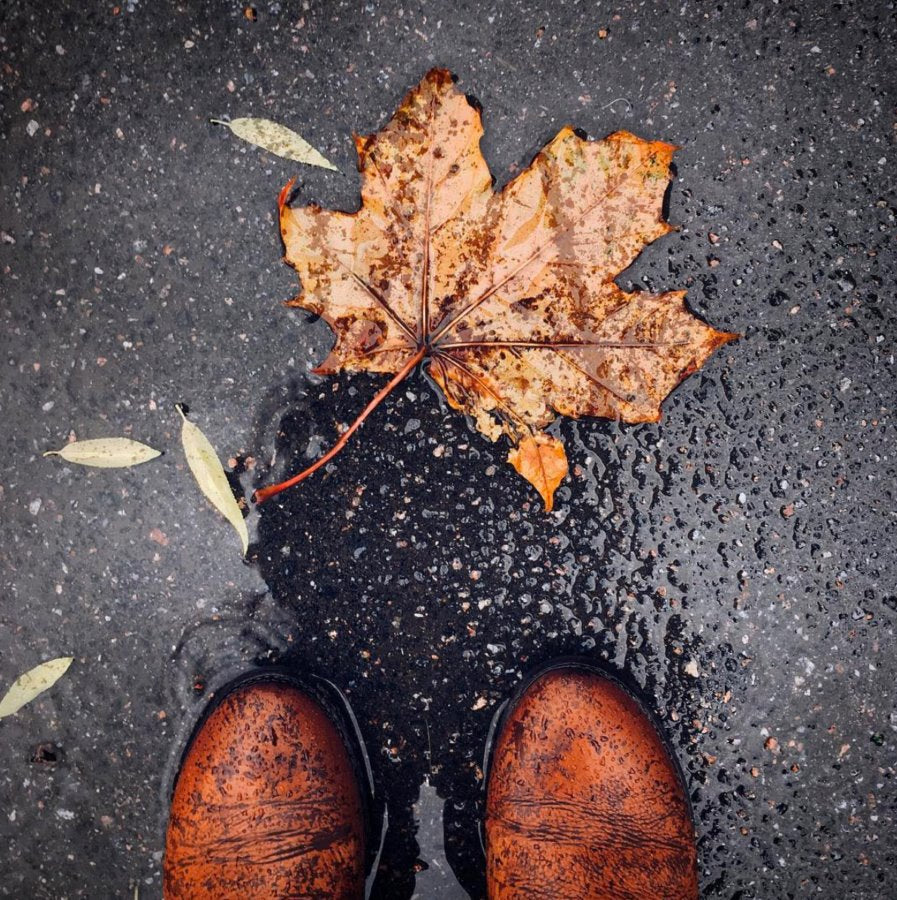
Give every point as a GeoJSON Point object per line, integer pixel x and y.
{"type": "Point", "coordinates": [508, 296]}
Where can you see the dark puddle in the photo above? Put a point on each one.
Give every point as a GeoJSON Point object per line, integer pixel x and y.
{"type": "Point", "coordinates": [421, 575]}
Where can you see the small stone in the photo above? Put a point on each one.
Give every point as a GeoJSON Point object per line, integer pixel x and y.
{"type": "Point", "coordinates": [846, 282]}
{"type": "Point", "coordinates": [771, 744]}
{"type": "Point", "coordinates": [159, 537]}
{"type": "Point", "coordinates": [788, 511]}
{"type": "Point", "coordinates": [479, 703]}
{"type": "Point", "coordinates": [32, 128]}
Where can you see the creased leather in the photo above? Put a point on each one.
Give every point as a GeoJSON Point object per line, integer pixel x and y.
{"type": "Point", "coordinates": [583, 800]}
{"type": "Point", "coordinates": [266, 804]}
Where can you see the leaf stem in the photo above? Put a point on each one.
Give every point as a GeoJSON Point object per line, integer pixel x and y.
{"type": "Point", "coordinates": [266, 493]}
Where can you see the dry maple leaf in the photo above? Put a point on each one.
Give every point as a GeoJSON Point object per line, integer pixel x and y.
{"type": "Point", "coordinates": [509, 296]}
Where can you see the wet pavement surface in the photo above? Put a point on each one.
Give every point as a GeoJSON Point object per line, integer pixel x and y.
{"type": "Point", "coordinates": [734, 563]}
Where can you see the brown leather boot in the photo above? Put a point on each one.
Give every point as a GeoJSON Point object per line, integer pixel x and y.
{"type": "Point", "coordinates": [583, 799]}
{"type": "Point", "coordinates": [268, 802]}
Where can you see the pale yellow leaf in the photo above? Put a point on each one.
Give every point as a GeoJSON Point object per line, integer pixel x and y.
{"type": "Point", "coordinates": [106, 453]}
{"type": "Point", "coordinates": [34, 682]}
{"type": "Point", "coordinates": [209, 475]}
{"type": "Point", "coordinates": [277, 139]}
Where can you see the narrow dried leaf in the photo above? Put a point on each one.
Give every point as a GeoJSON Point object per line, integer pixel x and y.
{"type": "Point", "coordinates": [106, 453]}
{"type": "Point", "coordinates": [277, 139]}
{"type": "Point", "coordinates": [541, 460]}
{"type": "Point", "coordinates": [209, 475]}
{"type": "Point", "coordinates": [34, 682]}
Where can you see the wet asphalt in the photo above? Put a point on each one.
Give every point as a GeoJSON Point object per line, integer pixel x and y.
{"type": "Point", "coordinates": [734, 563]}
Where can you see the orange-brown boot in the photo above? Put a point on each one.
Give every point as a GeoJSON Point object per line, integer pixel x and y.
{"type": "Point", "coordinates": [271, 798]}
{"type": "Point", "coordinates": [583, 798]}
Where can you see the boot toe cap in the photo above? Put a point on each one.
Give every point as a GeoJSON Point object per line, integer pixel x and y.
{"type": "Point", "coordinates": [584, 798]}
{"type": "Point", "coordinates": [266, 803]}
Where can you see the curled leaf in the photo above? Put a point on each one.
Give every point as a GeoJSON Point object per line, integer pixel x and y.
{"type": "Point", "coordinates": [209, 475]}
{"type": "Point", "coordinates": [541, 460]}
{"type": "Point", "coordinates": [106, 453]}
{"type": "Point", "coordinates": [34, 682]}
{"type": "Point", "coordinates": [277, 139]}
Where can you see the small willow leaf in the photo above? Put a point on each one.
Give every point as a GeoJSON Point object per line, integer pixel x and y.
{"type": "Point", "coordinates": [106, 453]}
{"type": "Point", "coordinates": [209, 475]}
{"type": "Point", "coordinates": [277, 139]}
{"type": "Point", "coordinates": [34, 682]}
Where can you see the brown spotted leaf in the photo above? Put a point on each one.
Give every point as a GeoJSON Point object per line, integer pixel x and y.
{"type": "Point", "coordinates": [508, 295]}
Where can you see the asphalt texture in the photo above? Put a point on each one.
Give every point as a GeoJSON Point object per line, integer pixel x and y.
{"type": "Point", "coordinates": [734, 563]}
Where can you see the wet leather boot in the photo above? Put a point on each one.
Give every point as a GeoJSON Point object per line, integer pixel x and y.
{"type": "Point", "coordinates": [583, 798]}
{"type": "Point", "coordinates": [268, 803]}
